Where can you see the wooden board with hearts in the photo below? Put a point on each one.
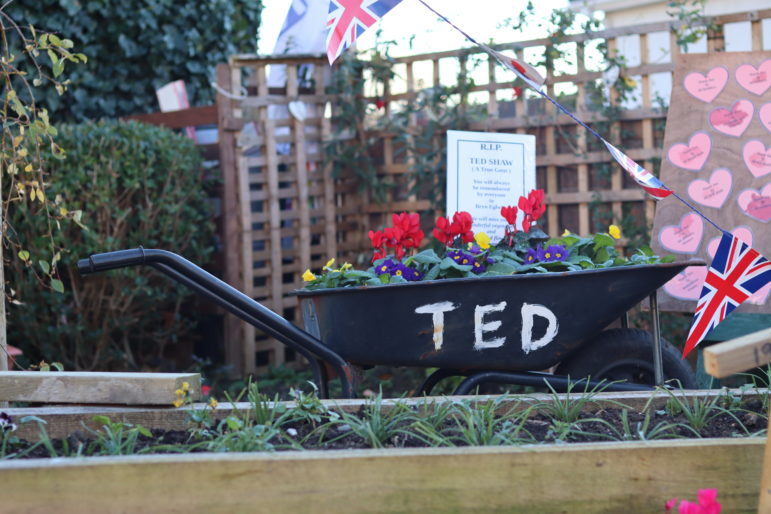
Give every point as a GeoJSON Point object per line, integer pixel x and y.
{"type": "Point", "coordinates": [717, 156]}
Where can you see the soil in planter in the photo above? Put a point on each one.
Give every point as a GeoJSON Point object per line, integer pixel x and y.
{"type": "Point", "coordinates": [472, 428]}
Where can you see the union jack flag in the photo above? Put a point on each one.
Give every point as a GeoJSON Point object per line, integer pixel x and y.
{"type": "Point", "coordinates": [644, 178]}
{"type": "Point", "coordinates": [348, 19]}
{"type": "Point", "coordinates": [736, 273]}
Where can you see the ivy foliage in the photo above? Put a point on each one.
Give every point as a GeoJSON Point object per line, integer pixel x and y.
{"type": "Point", "coordinates": [137, 185]}
{"type": "Point", "coordinates": [136, 47]}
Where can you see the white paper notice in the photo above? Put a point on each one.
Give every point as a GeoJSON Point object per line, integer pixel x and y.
{"type": "Point", "coordinates": [487, 171]}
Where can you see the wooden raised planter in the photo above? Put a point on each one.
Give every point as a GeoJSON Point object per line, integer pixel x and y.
{"type": "Point", "coordinates": [575, 478]}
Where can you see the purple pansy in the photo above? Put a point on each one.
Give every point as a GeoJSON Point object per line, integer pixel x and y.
{"type": "Point", "coordinates": [552, 253]}
{"type": "Point", "coordinates": [461, 257]}
{"type": "Point", "coordinates": [397, 269]}
{"type": "Point", "coordinates": [558, 252]}
{"type": "Point", "coordinates": [532, 256]}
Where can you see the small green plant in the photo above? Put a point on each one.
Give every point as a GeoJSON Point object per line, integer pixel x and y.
{"type": "Point", "coordinates": [567, 407]}
{"type": "Point", "coordinates": [115, 437]}
{"type": "Point", "coordinates": [376, 425]}
{"type": "Point", "coordinates": [481, 424]}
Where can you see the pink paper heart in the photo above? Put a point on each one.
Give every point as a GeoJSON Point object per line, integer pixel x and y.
{"type": "Point", "coordinates": [755, 80]}
{"type": "Point", "coordinates": [765, 116]}
{"type": "Point", "coordinates": [712, 192]}
{"type": "Point", "coordinates": [756, 204]}
{"type": "Point", "coordinates": [757, 158]}
{"type": "Point", "coordinates": [706, 87]}
{"type": "Point", "coordinates": [693, 155]}
{"type": "Point", "coordinates": [760, 296]}
{"type": "Point", "coordinates": [733, 121]}
{"type": "Point", "coordinates": [687, 284]}
{"type": "Point", "coordinates": [743, 233]}
{"type": "Point", "coordinates": [685, 237]}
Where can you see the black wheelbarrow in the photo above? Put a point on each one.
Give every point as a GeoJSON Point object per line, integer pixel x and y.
{"type": "Point", "coordinates": [488, 329]}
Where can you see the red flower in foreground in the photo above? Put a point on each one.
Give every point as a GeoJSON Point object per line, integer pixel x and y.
{"type": "Point", "coordinates": [533, 205]}
{"type": "Point", "coordinates": [205, 390]}
{"type": "Point", "coordinates": [533, 208]}
{"type": "Point", "coordinates": [443, 231]}
{"type": "Point", "coordinates": [708, 504]}
{"type": "Point", "coordinates": [409, 224]}
{"type": "Point", "coordinates": [377, 244]}
{"type": "Point", "coordinates": [510, 214]}
{"type": "Point", "coordinates": [461, 226]}
{"type": "Point", "coordinates": [526, 222]}
{"type": "Point", "coordinates": [405, 233]}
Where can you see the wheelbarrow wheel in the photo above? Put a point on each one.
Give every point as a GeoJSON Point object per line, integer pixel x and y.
{"type": "Point", "coordinates": [626, 354]}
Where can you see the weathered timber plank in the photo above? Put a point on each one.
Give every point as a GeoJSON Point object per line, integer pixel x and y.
{"type": "Point", "coordinates": [96, 387]}
{"type": "Point", "coordinates": [586, 478]}
{"type": "Point", "coordinates": [192, 116]}
{"type": "Point", "coordinates": [765, 482]}
{"type": "Point", "coordinates": [737, 355]}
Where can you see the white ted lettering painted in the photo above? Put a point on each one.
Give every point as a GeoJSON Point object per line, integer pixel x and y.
{"type": "Point", "coordinates": [481, 327]}
{"type": "Point", "coordinates": [437, 311]}
{"type": "Point", "coordinates": [529, 312]}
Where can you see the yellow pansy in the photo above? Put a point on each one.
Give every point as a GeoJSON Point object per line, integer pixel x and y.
{"type": "Point", "coordinates": [566, 233]}
{"type": "Point", "coordinates": [213, 403]}
{"type": "Point", "coordinates": [483, 240]}
{"type": "Point", "coordinates": [308, 276]}
{"type": "Point", "coordinates": [345, 266]}
{"type": "Point", "coordinates": [329, 263]}
{"type": "Point", "coordinates": [614, 232]}
{"type": "Point", "coordinates": [630, 82]}
{"type": "Point", "coordinates": [178, 402]}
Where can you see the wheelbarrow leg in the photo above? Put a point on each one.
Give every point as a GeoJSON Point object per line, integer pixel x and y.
{"type": "Point", "coordinates": [437, 376]}
{"type": "Point", "coordinates": [658, 361]}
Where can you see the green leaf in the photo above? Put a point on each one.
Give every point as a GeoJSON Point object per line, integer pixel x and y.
{"type": "Point", "coordinates": [101, 419]}
{"type": "Point", "coordinates": [432, 273]}
{"type": "Point", "coordinates": [427, 257]}
{"type": "Point", "coordinates": [57, 285]}
{"type": "Point", "coordinates": [603, 240]}
{"type": "Point", "coordinates": [27, 419]}
{"type": "Point", "coordinates": [44, 266]}
{"type": "Point", "coordinates": [23, 255]}
{"type": "Point", "coordinates": [501, 268]}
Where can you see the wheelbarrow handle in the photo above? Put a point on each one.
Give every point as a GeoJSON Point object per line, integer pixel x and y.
{"type": "Point", "coordinates": [185, 272]}
{"type": "Point", "coordinates": [111, 260]}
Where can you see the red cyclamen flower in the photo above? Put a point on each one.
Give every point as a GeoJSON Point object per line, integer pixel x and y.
{"type": "Point", "coordinates": [510, 214]}
{"type": "Point", "coordinates": [409, 224]}
{"type": "Point", "coordinates": [461, 226]}
{"type": "Point", "coordinates": [377, 244]}
{"type": "Point", "coordinates": [443, 231]}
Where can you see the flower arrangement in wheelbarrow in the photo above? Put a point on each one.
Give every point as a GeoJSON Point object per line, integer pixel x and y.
{"type": "Point", "coordinates": [460, 252]}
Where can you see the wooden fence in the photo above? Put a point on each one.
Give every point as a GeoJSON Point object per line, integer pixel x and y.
{"type": "Point", "coordinates": [284, 211]}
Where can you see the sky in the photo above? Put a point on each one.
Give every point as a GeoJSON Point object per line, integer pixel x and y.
{"type": "Point", "coordinates": [410, 19]}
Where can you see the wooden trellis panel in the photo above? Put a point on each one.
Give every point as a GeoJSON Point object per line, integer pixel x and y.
{"type": "Point", "coordinates": [292, 214]}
